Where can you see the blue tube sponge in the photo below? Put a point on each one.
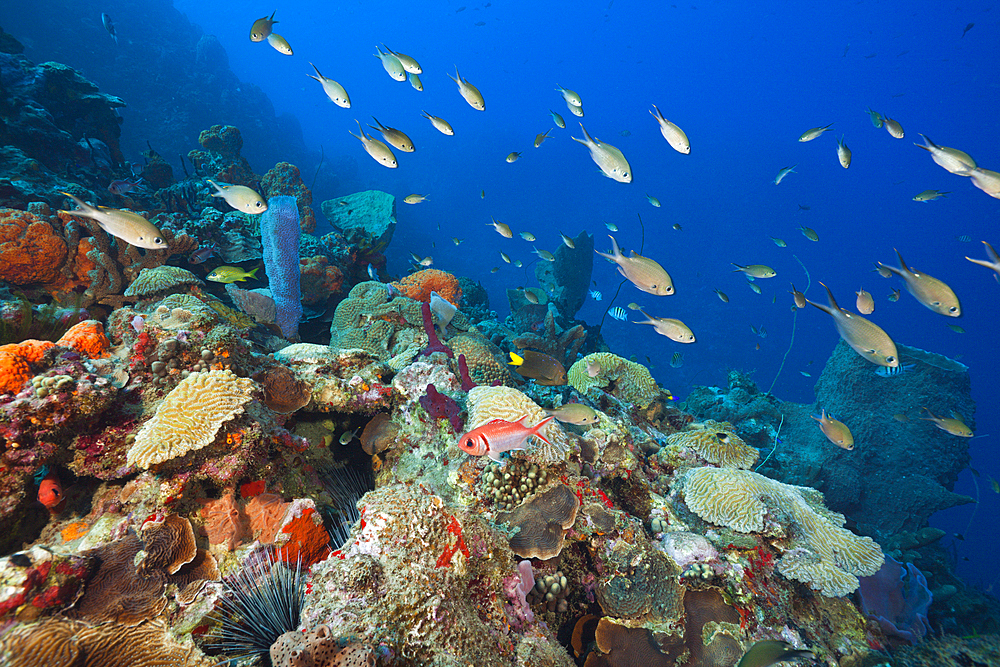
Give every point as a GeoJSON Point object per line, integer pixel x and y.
{"type": "Point", "coordinates": [279, 230]}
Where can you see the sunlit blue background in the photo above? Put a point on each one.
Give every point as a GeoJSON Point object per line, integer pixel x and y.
{"type": "Point", "coordinates": [743, 80]}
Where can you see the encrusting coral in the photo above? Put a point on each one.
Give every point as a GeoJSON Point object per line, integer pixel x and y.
{"type": "Point", "coordinates": [821, 552]}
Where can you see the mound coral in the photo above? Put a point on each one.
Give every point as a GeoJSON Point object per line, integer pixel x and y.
{"type": "Point", "coordinates": [716, 443]}
{"type": "Point", "coordinates": [484, 359]}
{"type": "Point", "coordinates": [626, 380]}
{"type": "Point", "coordinates": [822, 553]}
{"type": "Point", "coordinates": [31, 251]}
{"type": "Point", "coordinates": [223, 139]}
{"type": "Point", "coordinates": [542, 522]}
{"type": "Point", "coordinates": [151, 282]}
{"type": "Point", "coordinates": [489, 403]}
{"type": "Point", "coordinates": [419, 285]}
{"type": "Point", "coordinates": [190, 416]}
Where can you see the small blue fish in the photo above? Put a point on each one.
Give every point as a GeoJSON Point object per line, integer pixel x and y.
{"type": "Point", "coordinates": [618, 313]}
{"type": "Point", "coordinates": [889, 372]}
{"type": "Point", "coordinates": [595, 295]}
{"type": "Point", "coordinates": [804, 374]}
{"type": "Point", "coordinates": [785, 172]}
{"type": "Point", "coordinates": [373, 274]}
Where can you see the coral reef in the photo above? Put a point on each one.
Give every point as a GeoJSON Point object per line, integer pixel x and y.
{"type": "Point", "coordinates": [624, 379]}
{"type": "Point", "coordinates": [418, 286]}
{"type": "Point", "coordinates": [284, 179]}
{"type": "Point", "coordinates": [366, 220]}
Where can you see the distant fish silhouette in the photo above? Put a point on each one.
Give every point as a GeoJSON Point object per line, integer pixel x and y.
{"type": "Point", "coordinates": [110, 27]}
{"type": "Point", "coordinates": [967, 29]}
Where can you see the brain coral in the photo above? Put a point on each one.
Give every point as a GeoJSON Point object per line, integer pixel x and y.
{"type": "Point", "coordinates": [190, 416]}
{"type": "Point", "coordinates": [160, 279]}
{"type": "Point", "coordinates": [641, 584]}
{"type": "Point", "coordinates": [30, 250]}
{"type": "Point", "coordinates": [625, 379]}
{"type": "Point", "coordinates": [823, 554]}
{"type": "Point", "coordinates": [369, 320]}
{"type": "Point", "coordinates": [716, 443]}
{"type": "Point", "coordinates": [489, 403]}
{"type": "Point", "coordinates": [419, 285]}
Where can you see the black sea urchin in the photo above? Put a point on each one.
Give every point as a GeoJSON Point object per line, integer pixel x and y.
{"type": "Point", "coordinates": [260, 603]}
{"type": "Point", "coordinates": [345, 485]}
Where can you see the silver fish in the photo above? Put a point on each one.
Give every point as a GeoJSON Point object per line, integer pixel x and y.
{"type": "Point", "coordinates": [610, 160]}
{"type": "Point", "coordinates": [129, 227]}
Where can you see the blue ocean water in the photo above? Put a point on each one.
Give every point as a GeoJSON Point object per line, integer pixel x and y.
{"type": "Point", "coordinates": [743, 80]}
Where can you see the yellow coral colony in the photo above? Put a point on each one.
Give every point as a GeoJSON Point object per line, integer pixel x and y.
{"type": "Point", "coordinates": [822, 553]}
{"type": "Point", "coordinates": [190, 416]}
{"type": "Point", "coordinates": [489, 403]}
{"type": "Point", "coordinates": [716, 443]}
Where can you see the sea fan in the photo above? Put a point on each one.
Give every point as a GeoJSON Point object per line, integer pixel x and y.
{"type": "Point", "coordinates": [260, 603]}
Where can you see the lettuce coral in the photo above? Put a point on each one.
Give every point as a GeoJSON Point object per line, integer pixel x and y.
{"type": "Point", "coordinates": [822, 552]}
{"type": "Point", "coordinates": [716, 443]}
{"type": "Point", "coordinates": [419, 286]}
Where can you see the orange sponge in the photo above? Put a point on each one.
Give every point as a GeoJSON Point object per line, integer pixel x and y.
{"type": "Point", "coordinates": [87, 338]}
{"type": "Point", "coordinates": [419, 286]}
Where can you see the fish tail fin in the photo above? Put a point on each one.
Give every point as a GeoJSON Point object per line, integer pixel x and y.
{"type": "Point", "coordinates": [615, 250]}
{"type": "Point", "coordinates": [588, 139]}
{"type": "Point", "coordinates": [738, 267]}
{"type": "Point", "coordinates": [537, 428]}
{"type": "Point", "coordinates": [252, 274]}
{"type": "Point", "coordinates": [902, 264]}
{"type": "Point", "coordinates": [515, 359]}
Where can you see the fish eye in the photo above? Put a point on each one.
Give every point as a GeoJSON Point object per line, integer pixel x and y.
{"type": "Point", "coordinates": [890, 359]}
{"type": "Point", "coordinates": [158, 241]}
{"type": "Point", "coordinates": [953, 309]}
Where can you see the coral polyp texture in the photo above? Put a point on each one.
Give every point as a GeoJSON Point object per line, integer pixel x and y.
{"type": "Point", "coordinates": [716, 443]}
{"type": "Point", "coordinates": [190, 416]}
{"type": "Point", "coordinates": [624, 379]}
{"type": "Point", "coordinates": [821, 552]}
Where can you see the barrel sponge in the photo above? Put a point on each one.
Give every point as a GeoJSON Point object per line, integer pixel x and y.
{"type": "Point", "coordinates": [822, 553]}
{"type": "Point", "coordinates": [716, 443]}
{"type": "Point", "coordinates": [489, 403]}
{"type": "Point", "coordinates": [190, 416]}
{"type": "Point", "coordinates": [632, 381]}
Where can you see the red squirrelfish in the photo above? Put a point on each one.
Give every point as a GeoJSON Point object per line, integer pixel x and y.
{"type": "Point", "coordinates": [50, 493]}
{"type": "Point", "coordinates": [499, 436]}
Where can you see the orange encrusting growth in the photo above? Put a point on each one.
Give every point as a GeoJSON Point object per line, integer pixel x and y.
{"type": "Point", "coordinates": [15, 363]}
{"type": "Point", "coordinates": [87, 338]}
{"type": "Point", "coordinates": [307, 538]}
{"type": "Point", "coordinates": [419, 285]}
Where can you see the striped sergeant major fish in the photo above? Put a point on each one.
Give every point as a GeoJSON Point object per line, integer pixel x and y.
{"type": "Point", "coordinates": [889, 371]}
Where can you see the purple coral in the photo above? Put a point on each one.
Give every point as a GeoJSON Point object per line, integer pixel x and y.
{"type": "Point", "coordinates": [442, 406]}
{"type": "Point", "coordinates": [434, 344]}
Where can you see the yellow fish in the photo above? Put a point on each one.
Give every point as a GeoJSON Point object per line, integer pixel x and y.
{"type": "Point", "coordinates": [675, 330]}
{"type": "Point", "coordinates": [230, 274]}
{"type": "Point", "coordinates": [572, 98]}
{"type": "Point", "coordinates": [261, 28]}
{"type": "Point", "coordinates": [440, 124]}
{"type": "Point", "coordinates": [987, 181]}
{"type": "Point", "coordinates": [993, 263]}
{"type": "Point", "coordinates": [754, 286]}
{"type": "Point", "coordinates": [409, 64]}
{"type": "Point", "coordinates": [545, 254]}
{"type": "Point", "coordinates": [843, 153]}
{"type": "Point", "coordinates": [930, 195]}
{"type": "Point", "coordinates": [505, 257]}
{"type": "Point", "coordinates": [927, 290]}
{"type": "Point", "coordinates": [893, 127]}
{"type": "Point", "coordinates": [641, 271]}
{"type": "Point", "coordinates": [414, 199]}
{"type": "Point", "coordinates": [953, 424]}
{"type": "Point", "coordinates": [955, 161]}
{"type": "Point", "coordinates": [779, 242]}
{"type": "Point", "coordinates": [755, 270]}
{"type": "Point", "coordinates": [575, 413]}
{"type": "Point", "coordinates": [653, 200]}
{"type": "Point", "coordinates": [864, 337]}
{"type": "Point", "coordinates": [240, 197]}
{"type": "Point", "coordinates": [333, 90]}
{"type": "Point", "coordinates": [812, 133]}
{"type": "Point", "coordinates": [539, 138]}
{"type": "Point", "coordinates": [125, 225]}
{"type": "Point", "coordinates": [457, 241]}
{"type": "Point", "coordinates": [576, 111]}
{"type": "Point", "coordinates": [800, 298]}
{"type": "Point", "coordinates": [865, 303]}
{"type": "Point", "coordinates": [391, 64]}
{"type": "Point", "coordinates": [835, 431]}
{"type": "Point", "coordinates": [395, 138]}
{"type": "Point", "coordinates": [379, 151]}
{"type": "Point", "coordinates": [469, 92]}
{"type": "Point", "coordinates": [674, 135]}
{"type": "Point", "coordinates": [502, 228]}
{"type": "Point", "coordinates": [610, 160]}
{"type": "Point", "coordinates": [280, 44]}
